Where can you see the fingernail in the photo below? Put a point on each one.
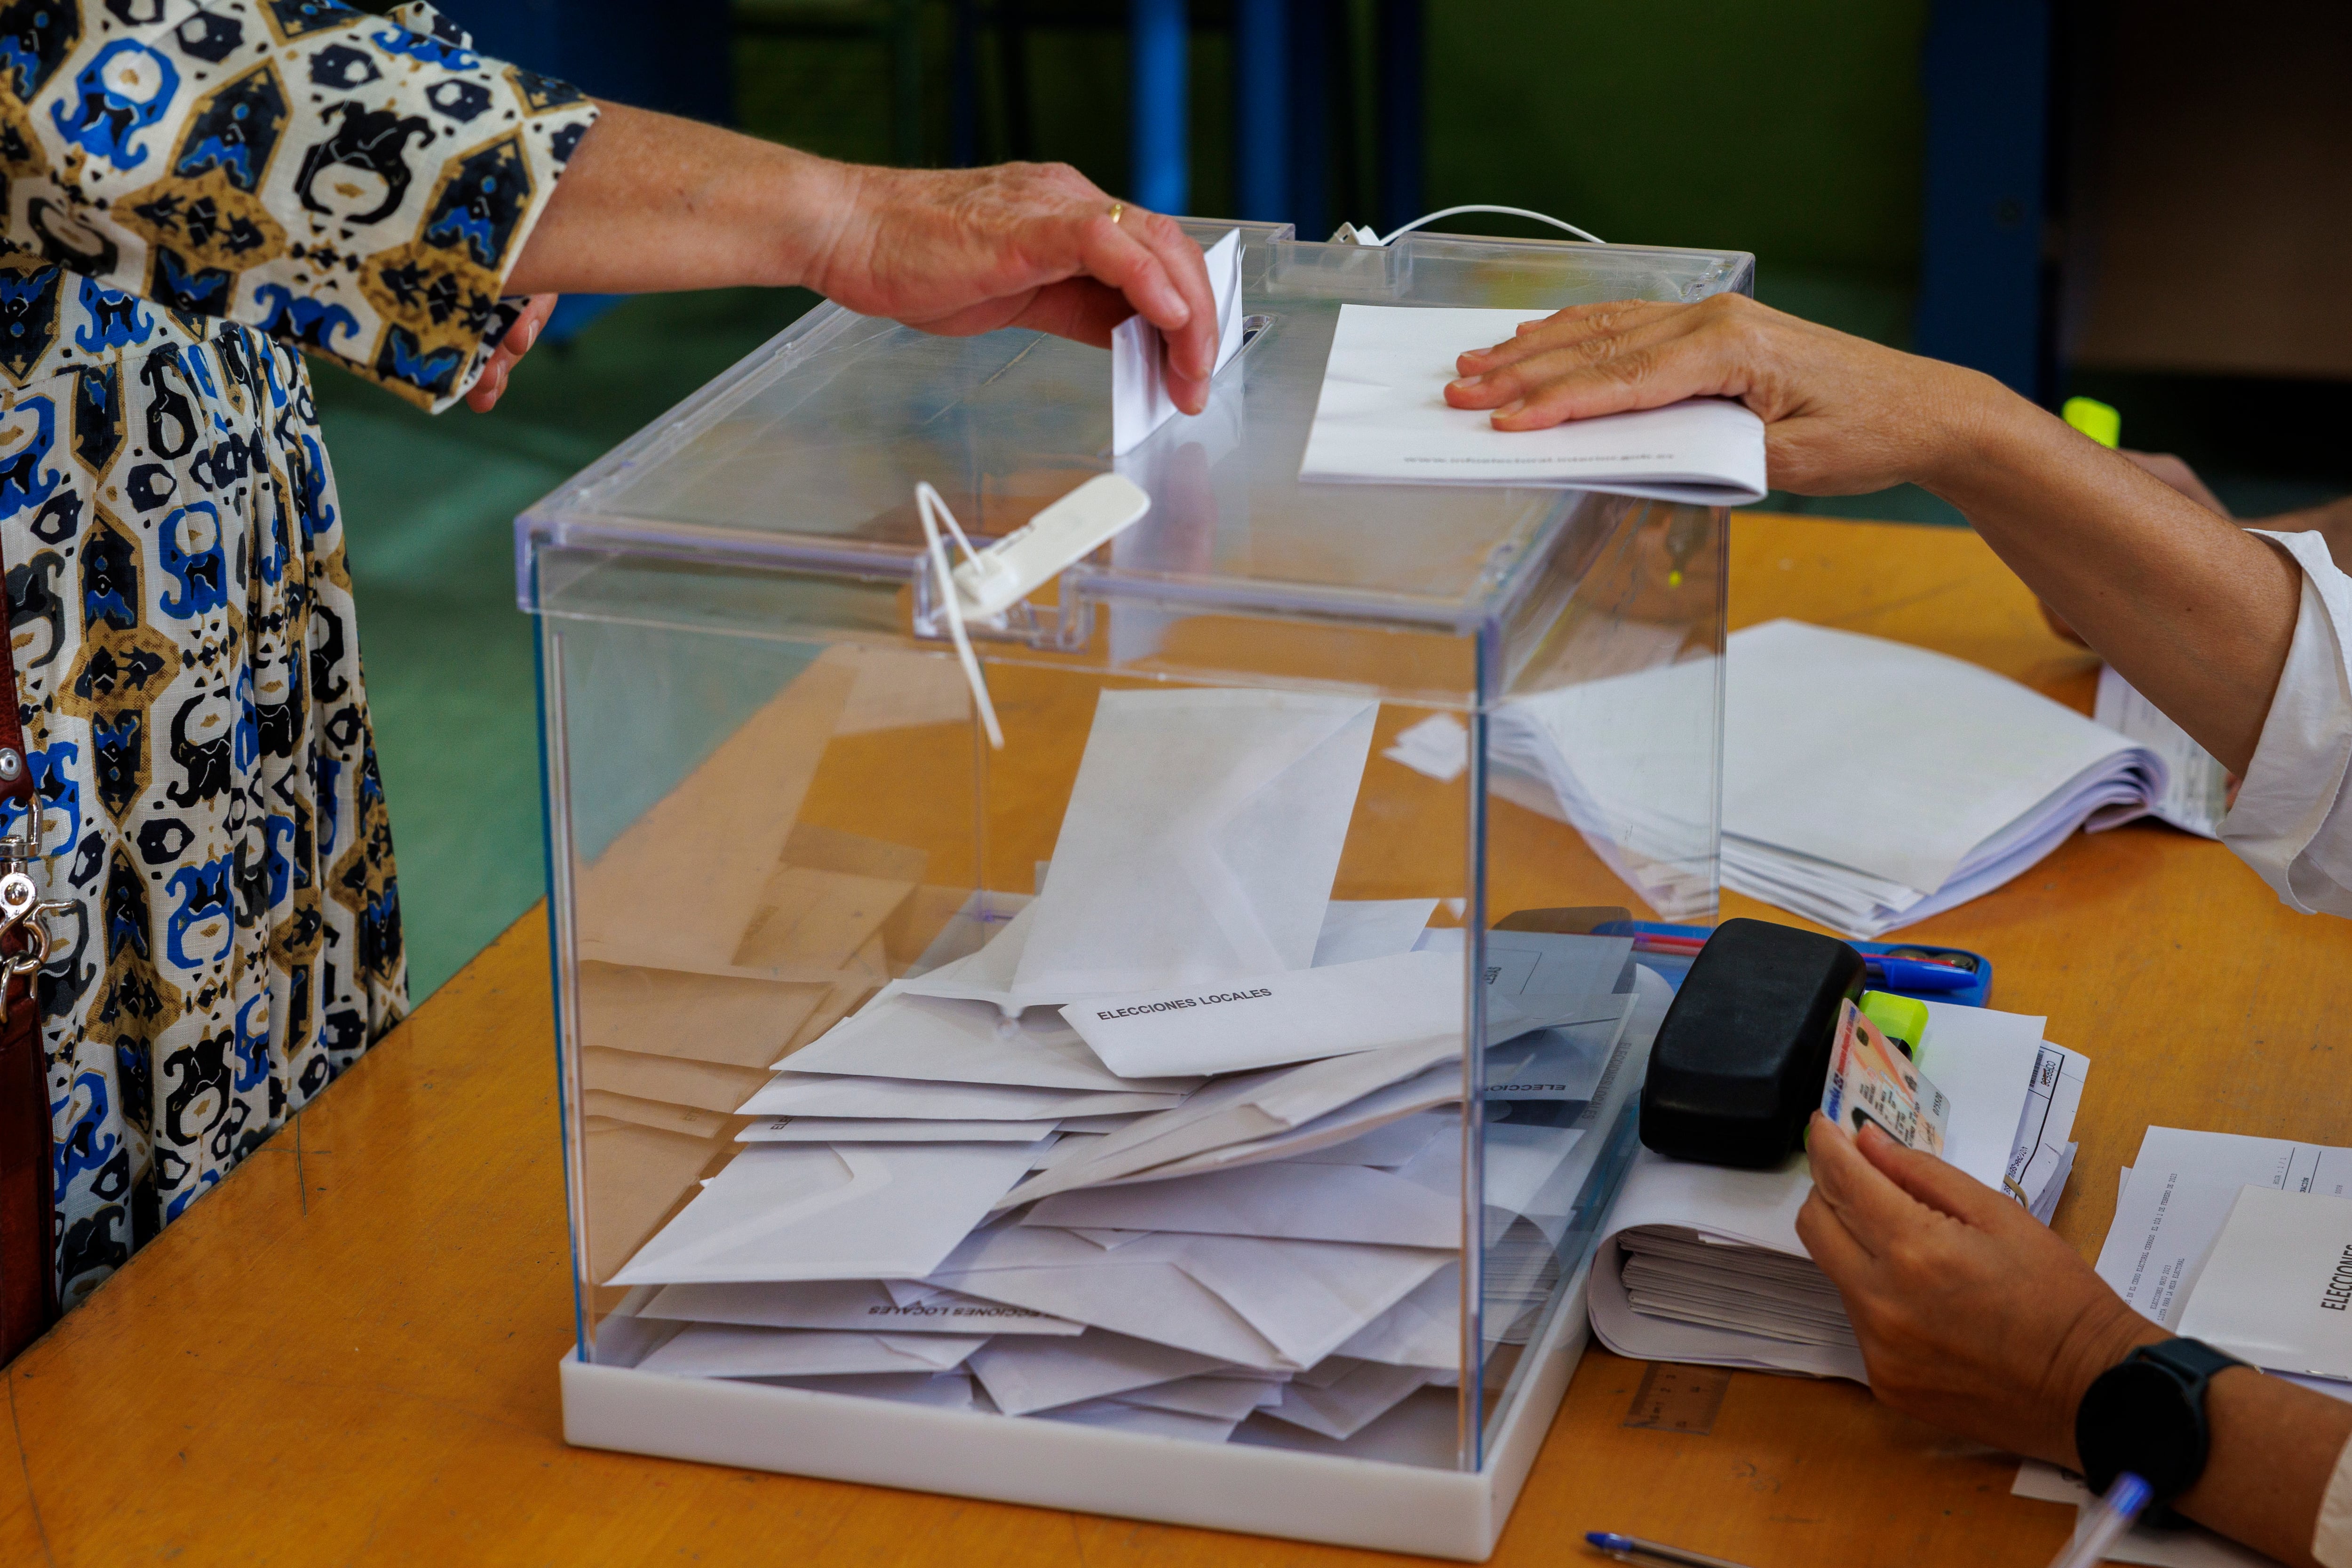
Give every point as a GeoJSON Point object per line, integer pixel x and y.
{"type": "Point", "coordinates": [530, 335]}
{"type": "Point", "coordinates": [1510, 408]}
{"type": "Point", "coordinates": [1466, 383]}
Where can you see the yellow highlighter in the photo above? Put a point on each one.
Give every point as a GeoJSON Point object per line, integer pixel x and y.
{"type": "Point", "coordinates": [1902, 1019]}
{"type": "Point", "coordinates": [2095, 419]}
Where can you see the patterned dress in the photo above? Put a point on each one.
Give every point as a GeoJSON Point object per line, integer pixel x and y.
{"type": "Point", "coordinates": [193, 188]}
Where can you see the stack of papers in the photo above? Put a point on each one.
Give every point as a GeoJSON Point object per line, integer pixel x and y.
{"type": "Point", "coordinates": [2234, 1240]}
{"type": "Point", "coordinates": [2177, 1198]}
{"type": "Point", "coordinates": [1701, 1263]}
{"type": "Point", "coordinates": [1173, 1146]}
{"type": "Point", "coordinates": [1382, 418]}
{"type": "Point", "coordinates": [2197, 787]}
{"type": "Point", "coordinates": [1866, 784]}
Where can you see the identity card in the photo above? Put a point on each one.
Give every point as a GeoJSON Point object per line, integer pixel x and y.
{"type": "Point", "coordinates": [1871, 1080]}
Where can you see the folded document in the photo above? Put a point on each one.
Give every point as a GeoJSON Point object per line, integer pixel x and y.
{"type": "Point", "coordinates": [1382, 417]}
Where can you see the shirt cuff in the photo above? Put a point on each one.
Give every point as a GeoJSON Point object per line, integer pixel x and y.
{"type": "Point", "coordinates": [2291, 822]}
{"type": "Point", "coordinates": [2331, 1538]}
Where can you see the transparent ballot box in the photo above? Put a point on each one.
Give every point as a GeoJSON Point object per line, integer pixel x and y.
{"type": "Point", "coordinates": [1200, 1108]}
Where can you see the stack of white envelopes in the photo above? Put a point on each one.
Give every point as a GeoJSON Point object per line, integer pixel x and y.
{"type": "Point", "coordinates": [1178, 1148]}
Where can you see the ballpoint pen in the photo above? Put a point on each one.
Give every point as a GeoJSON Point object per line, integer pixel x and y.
{"type": "Point", "coordinates": [1895, 974]}
{"type": "Point", "coordinates": [2098, 1528]}
{"type": "Point", "coordinates": [1627, 1549]}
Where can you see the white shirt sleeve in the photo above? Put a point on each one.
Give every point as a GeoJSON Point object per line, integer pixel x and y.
{"type": "Point", "coordinates": [2292, 818]}
{"type": "Point", "coordinates": [2331, 1538]}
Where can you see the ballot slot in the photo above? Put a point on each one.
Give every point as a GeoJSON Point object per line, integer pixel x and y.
{"type": "Point", "coordinates": [1167, 1074]}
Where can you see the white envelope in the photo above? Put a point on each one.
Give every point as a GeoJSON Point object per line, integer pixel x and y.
{"type": "Point", "coordinates": [1140, 404]}
{"type": "Point", "coordinates": [727, 1350]}
{"type": "Point", "coordinates": [1423, 1329]}
{"type": "Point", "coordinates": [1199, 843]}
{"type": "Point", "coordinates": [1301, 1299]}
{"type": "Point", "coordinates": [1307, 1298]}
{"type": "Point", "coordinates": [984, 975]}
{"type": "Point", "coordinates": [1265, 1021]}
{"type": "Point", "coordinates": [1294, 1202]}
{"type": "Point", "coordinates": [797, 1094]}
{"type": "Point", "coordinates": [860, 1305]}
{"type": "Point", "coordinates": [1352, 929]}
{"type": "Point", "coordinates": [1424, 1091]}
{"type": "Point", "coordinates": [870, 1129]}
{"type": "Point", "coordinates": [810, 1211]}
{"type": "Point", "coordinates": [1399, 1143]}
{"type": "Point", "coordinates": [1039, 1375]}
{"type": "Point", "coordinates": [1370, 928]}
{"type": "Point", "coordinates": [1143, 1422]}
{"type": "Point", "coordinates": [1139, 1296]}
{"type": "Point", "coordinates": [1347, 1405]}
{"type": "Point", "coordinates": [1224, 1397]}
{"type": "Point", "coordinates": [906, 1036]}
{"type": "Point", "coordinates": [1238, 1109]}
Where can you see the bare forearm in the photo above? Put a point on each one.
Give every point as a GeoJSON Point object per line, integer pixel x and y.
{"type": "Point", "coordinates": [2274, 1447]}
{"type": "Point", "coordinates": [2193, 612]}
{"type": "Point", "coordinates": [650, 203]}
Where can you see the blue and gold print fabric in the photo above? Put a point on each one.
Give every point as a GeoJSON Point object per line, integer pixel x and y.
{"type": "Point", "coordinates": [196, 194]}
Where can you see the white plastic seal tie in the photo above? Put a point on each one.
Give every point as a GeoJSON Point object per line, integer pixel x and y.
{"type": "Point", "coordinates": [993, 581]}
{"type": "Point", "coordinates": [934, 512]}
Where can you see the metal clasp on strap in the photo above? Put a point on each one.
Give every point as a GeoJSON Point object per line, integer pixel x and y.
{"type": "Point", "coordinates": [23, 911]}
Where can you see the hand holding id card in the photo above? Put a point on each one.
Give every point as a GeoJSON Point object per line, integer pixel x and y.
{"type": "Point", "coordinates": [1870, 1080]}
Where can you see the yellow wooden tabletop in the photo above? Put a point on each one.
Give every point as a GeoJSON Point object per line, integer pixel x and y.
{"type": "Point", "coordinates": [347, 1355]}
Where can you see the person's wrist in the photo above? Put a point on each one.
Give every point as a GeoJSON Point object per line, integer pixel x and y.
{"type": "Point", "coordinates": [1970, 427]}
{"type": "Point", "coordinates": [822, 214]}
{"type": "Point", "coordinates": [2099, 1340]}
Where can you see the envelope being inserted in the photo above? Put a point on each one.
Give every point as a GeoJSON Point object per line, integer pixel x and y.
{"type": "Point", "coordinates": [1200, 840]}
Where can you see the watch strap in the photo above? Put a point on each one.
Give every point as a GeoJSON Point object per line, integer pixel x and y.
{"type": "Point", "coordinates": [2193, 1359]}
{"type": "Point", "coordinates": [2187, 1366]}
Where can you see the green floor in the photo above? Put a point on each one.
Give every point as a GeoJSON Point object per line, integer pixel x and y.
{"type": "Point", "coordinates": [429, 507]}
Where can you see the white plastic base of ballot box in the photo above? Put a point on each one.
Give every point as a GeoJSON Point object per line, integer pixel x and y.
{"type": "Point", "coordinates": [1050, 1464]}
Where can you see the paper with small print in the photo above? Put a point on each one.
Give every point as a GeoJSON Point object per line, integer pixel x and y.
{"type": "Point", "coordinates": [1382, 418]}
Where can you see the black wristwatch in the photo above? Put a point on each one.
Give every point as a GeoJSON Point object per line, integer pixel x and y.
{"type": "Point", "coordinates": [2146, 1415]}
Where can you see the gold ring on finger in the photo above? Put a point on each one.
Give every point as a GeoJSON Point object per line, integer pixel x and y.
{"type": "Point", "coordinates": [1116, 209]}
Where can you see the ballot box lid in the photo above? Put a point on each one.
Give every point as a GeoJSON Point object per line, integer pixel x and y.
{"type": "Point", "coordinates": [804, 457]}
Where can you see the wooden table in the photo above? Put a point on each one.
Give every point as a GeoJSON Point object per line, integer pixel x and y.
{"type": "Point", "coordinates": [347, 1355]}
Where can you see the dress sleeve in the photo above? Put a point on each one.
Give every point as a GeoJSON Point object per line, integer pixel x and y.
{"type": "Point", "coordinates": [358, 184]}
{"type": "Point", "coordinates": [2293, 817]}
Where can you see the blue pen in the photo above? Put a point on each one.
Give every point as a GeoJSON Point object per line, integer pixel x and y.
{"type": "Point", "coordinates": [1628, 1549]}
{"type": "Point", "coordinates": [2097, 1528]}
{"type": "Point", "coordinates": [1916, 975]}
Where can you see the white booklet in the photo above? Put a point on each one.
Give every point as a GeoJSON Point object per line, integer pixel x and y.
{"type": "Point", "coordinates": [1382, 418]}
{"type": "Point", "coordinates": [2197, 789]}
